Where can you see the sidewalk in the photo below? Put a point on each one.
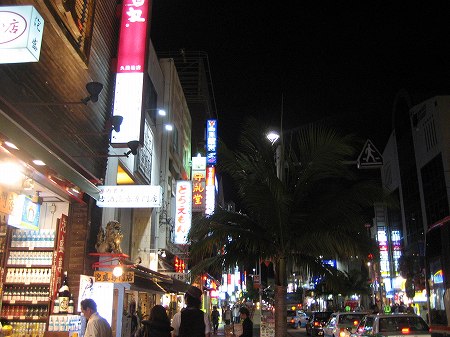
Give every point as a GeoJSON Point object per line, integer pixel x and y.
{"type": "Point", "coordinates": [221, 331]}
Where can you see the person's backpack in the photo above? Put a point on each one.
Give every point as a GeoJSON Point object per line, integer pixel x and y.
{"type": "Point", "coordinates": [192, 323]}
{"type": "Point", "coordinates": [215, 315]}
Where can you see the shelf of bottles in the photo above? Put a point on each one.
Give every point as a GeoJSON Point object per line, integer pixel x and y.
{"type": "Point", "coordinates": [68, 323]}
{"type": "Point", "coordinates": [26, 287]}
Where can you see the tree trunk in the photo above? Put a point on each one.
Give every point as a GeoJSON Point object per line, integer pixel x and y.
{"type": "Point", "coordinates": [280, 298]}
{"type": "Point", "coordinates": [280, 311]}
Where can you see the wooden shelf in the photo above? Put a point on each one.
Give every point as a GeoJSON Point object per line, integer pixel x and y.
{"type": "Point", "coordinates": [16, 302]}
{"type": "Point", "coordinates": [25, 284]}
{"type": "Point", "coordinates": [40, 266]}
{"type": "Point", "coordinates": [24, 318]}
{"type": "Point", "coordinates": [26, 249]}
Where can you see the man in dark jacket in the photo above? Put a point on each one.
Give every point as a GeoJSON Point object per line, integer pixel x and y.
{"type": "Point", "coordinates": [191, 321]}
{"type": "Point", "coordinates": [247, 324]}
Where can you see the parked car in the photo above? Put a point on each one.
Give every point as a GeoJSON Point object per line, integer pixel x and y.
{"type": "Point", "coordinates": [303, 318]}
{"type": "Point", "coordinates": [342, 324]}
{"type": "Point", "coordinates": [292, 319]}
{"type": "Point", "coordinates": [316, 321]}
{"type": "Point", "coordinates": [393, 325]}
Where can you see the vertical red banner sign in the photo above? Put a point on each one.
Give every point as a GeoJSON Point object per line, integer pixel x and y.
{"type": "Point", "coordinates": [58, 256]}
{"type": "Point", "coordinates": [133, 36]}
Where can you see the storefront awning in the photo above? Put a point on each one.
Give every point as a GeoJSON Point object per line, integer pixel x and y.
{"type": "Point", "coordinates": [25, 140]}
{"type": "Point", "coordinates": [174, 287]}
{"type": "Point", "coordinates": [147, 285]}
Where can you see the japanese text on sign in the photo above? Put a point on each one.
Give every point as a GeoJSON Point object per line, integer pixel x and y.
{"type": "Point", "coordinates": [107, 276]}
{"type": "Point", "coordinates": [183, 205]}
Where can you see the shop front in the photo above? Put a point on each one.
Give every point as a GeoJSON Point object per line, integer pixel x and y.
{"type": "Point", "coordinates": [39, 210]}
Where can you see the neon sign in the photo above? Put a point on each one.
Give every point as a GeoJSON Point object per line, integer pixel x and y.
{"type": "Point", "coordinates": [438, 277]}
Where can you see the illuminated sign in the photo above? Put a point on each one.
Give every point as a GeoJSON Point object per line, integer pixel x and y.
{"type": "Point", "coordinates": [396, 249]}
{"type": "Point", "coordinates": [198, 184]}
{"type": "Point", "coordinates": [130, 70]}
{"type": "Point", "coordinates": [25, 213]}
{"type": "Point", "coordinates": [384, 254]}
{"type": "Point", "coordinates": [20, 34]}
{"type": "Point", "coordinates": [438, 277]}
{"type": "Point", "coordinates": [107, 276]}
{"type": "Point", "coordinates": [130, 196]}
{"type": "Point", "coordinates": [198, 163]}
{"type": "Point", "coordinates": [210, 190]}
{"type": "Point", "coordinates": [179, 265]}
{"type": "Point", "coordinates": [211, 141]}
{"type": "Point", "coordinates": [331, 263]}
{"type": "Point", "coordinates": [183, 211]}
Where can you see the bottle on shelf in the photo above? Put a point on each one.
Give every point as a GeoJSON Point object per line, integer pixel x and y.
{"type": "Point", "coordinates": [70, 308]}
{"type": "Point", "coordinates": [64, 295]}
{"type": "Point", "coordinates": [56, 306]}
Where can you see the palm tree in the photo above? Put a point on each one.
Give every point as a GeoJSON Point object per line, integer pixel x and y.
{"type": "Point", "coordinates": [316, 210]}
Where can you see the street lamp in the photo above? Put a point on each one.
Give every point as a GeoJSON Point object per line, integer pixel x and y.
{"type": "Point", "coordinates": [273, 137]}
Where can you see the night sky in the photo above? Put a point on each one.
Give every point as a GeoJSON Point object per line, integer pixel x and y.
{"type": "Point", "coordinates": [340, 59]}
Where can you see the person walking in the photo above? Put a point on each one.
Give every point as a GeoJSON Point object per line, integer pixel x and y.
{"type": "Point", "coordinates": [227, 315]}
{"type": "Point", "coordinates": [96, 325]}
{"type": "Point", "coordinates": [158, 324]}
{"type": "Point", "coordinates": [247, 324]}
{"type": "Point", "coordinates": [236, 314]}
{"type": "Point", "coordinates": [215, 319]}
{"type": "Point", "coordinates": [134, 318]}
{"type": "Point", "coordinates": [191, 321]}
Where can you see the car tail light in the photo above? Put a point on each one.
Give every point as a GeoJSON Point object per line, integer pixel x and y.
{"type": "Point", "coordinates": [342, 333]}
{"type": "Point", "coordinates": [405, 330]}
{"type": "Point", "coordinates": [355, 323]}
{"type": "Point", "coordinates": [292, 320]}
{"type": "Point", "coordinates": [316, 323]}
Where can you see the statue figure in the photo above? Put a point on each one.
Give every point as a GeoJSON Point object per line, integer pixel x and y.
{"type": "Point", "coordinates": [108, 240]}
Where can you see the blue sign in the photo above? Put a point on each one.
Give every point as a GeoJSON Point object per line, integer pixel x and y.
{"type": "Point", "coordinates": [330, 263]}
{"type": "Point", "coordinates": [25, 214]}
{"type": "Point", "coordinates": [211, 141]}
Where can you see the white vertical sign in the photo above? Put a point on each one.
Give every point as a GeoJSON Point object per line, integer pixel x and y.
{"type": "Point", "coordinates": [183, 209]}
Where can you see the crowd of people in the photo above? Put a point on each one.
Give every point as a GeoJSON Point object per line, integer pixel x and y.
{"type": "Point", "coordinates": [191, 321]}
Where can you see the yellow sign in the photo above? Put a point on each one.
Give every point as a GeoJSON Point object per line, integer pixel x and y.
{"type": "Point", "coordinates": [7, 201]}
{"type": "Point", "coordinates": [107, 276]}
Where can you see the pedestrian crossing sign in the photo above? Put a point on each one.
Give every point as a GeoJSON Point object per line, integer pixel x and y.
{"type": "Point", "coordinates": [369, 157]}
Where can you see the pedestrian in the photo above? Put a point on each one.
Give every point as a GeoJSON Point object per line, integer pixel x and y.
{"type": "Point", "coordinates": [227, 315]}
{"type": "Point", "coordinates": [158, 324]}
{"type": "Point", "coordinates": [96, 325]}
{"type": "Point", "coordinates": [134, 318]}
{"type": "Point", "coordinates": [236, 314]}
{"type": "Point", "coordinates": [191, 321]}
{"type": "Point", "coordinates": [215, 319]}
{"type": "Point", "coordinates": [247, 324]}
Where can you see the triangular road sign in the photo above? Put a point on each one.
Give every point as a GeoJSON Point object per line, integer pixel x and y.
{"type": "Point", "coordinates": [369, 157]}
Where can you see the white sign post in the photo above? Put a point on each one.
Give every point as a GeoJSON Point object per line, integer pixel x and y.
{"type": "Point", "coordinates": [21, 30]}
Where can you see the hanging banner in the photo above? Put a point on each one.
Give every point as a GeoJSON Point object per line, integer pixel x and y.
{"type": "Point", "coordinates": [198, 184]}
{"type": "Point", "coordinates": [131, 56]}
{"type": "Point", "coordinates": [58, 256]}
{"type": "Point", "coordinates": [183, 206]}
